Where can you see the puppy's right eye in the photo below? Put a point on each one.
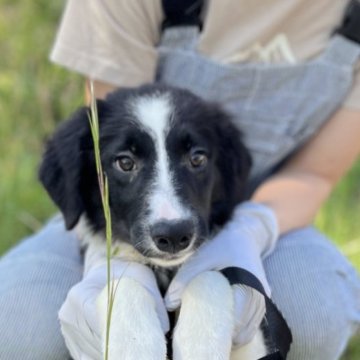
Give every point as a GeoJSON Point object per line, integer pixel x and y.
{"type": "Point", "coordinates": [198, 159]}
{"type": "Point", "coordinates": [125, 163]}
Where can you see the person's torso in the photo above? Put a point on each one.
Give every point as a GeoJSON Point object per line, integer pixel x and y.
{"type": "Point", "coordinates": [232, 27]}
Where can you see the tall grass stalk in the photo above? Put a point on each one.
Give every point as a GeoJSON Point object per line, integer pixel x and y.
{"type": "Point", "coordinates": [104, 193]}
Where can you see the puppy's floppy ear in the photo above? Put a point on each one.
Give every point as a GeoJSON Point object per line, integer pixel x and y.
{"type": "Point", "coordinates": [233, 165]}
{"type": "Point", "coordinates": [62, 164]}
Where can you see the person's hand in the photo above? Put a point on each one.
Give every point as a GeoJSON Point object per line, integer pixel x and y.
{"type": "Point", "coordinates": [250, 235]}
{"type": "Point", "coordinates": [78, 315]}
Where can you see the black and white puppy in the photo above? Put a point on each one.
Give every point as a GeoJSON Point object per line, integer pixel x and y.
{"type": "Point", "coordinates": [176, 167]}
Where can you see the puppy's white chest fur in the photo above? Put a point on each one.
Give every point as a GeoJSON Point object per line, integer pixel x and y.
{"type": "Point", "coordinates": [204, 328]}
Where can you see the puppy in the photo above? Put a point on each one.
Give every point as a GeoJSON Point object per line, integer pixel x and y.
{"type": "Point", "coordinates": [176, 167]}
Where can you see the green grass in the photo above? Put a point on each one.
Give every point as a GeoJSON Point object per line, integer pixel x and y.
{"type": "Point", "coordinates": [339, 218]}
{"type": "Point", "coordinates": [36, 95]}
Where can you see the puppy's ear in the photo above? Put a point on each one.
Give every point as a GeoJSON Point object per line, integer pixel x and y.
{"type": "Point", "coordinates": [62, 164]}
{"type": "Point", "coordinates": [233, 165]}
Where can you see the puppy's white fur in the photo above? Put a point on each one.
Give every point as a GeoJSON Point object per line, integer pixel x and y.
{"type": "Point", "coordinates": [154, 115]}
{"type": "Point", "coordinates": [203, 331]}
{"type": "Point", "coordinates": [135, 329]}
{"type": "Point", "coordinates": [255, 349]}
{"type": "Point", "coordinates": [205, 324]}
{"type": "Point", "coordinates": [204, 327]}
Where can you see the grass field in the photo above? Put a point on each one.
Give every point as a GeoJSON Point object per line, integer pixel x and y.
{"type": "Point", "coordinates": [35, 95]}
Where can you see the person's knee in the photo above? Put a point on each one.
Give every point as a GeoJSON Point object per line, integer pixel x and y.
{"type": "Point", "coordinates": [30, 329]}
{"type": "Point", "coordinates": [318, 335]}
{"type": "Point", "coordinates": [32, 289]}
{"type": "Point", "coordinates": [316, 290]}
{"type": "Point", "coordinates": [44, 348]}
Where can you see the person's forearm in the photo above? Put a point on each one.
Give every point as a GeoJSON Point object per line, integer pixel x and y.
{"type": "Point", "coordinates": [297, 192]}
{"type": "Point", "coordinates": [294, 196]}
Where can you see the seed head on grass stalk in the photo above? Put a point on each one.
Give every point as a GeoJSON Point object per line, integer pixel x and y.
{"type": "Point", "coordinates": [104, 193]}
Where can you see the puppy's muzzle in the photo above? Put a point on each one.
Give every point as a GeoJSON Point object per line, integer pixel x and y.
{"type": "Point", "coordinates": [173, 236]}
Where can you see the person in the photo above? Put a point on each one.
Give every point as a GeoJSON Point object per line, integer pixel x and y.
{"type": "Point", "coordinates": [293, 88]}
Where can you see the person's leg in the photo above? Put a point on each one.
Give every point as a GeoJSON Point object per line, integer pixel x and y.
{"type": "Point", "coordinates": [35, 277]}
{"type": "Point", "coordinates": [318, 292]}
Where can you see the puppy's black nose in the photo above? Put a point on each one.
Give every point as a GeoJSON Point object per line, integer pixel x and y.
{"type": "Point", "coordinates": [172, 236]}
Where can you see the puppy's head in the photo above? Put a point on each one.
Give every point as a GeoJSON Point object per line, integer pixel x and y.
{"type": "Point", "coordinates": [175, 166]}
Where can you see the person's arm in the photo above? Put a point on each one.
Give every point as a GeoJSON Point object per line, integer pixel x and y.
{"type": "Point", "coordinates": [298, 190]}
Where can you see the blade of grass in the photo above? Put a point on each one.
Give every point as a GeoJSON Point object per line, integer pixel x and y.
{"type": "Point", "coordinates": [104, 193]}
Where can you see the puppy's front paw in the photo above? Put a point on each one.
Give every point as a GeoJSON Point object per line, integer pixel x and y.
{"type": "Point", "coordinates": [135, 329]}
{"type": "Point", "coordinates": [205, 325]}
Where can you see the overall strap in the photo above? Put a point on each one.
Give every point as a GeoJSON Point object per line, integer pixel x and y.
{"type": "Point", "coordinates": [182, 13]}
{"type": "Point", "coordinates": [344, 48]}
{"type": "Point", "coordinates": [350, 28]}
{"type": "Point", "coordinates": [182, 24]}
{"type": "Point", "coordinates": [276, 326]}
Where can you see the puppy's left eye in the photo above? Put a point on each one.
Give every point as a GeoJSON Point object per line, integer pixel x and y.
{"type": "Point", "coordinates": [198, 159]}
{"type": "Point", "coordinates": [125, 163]}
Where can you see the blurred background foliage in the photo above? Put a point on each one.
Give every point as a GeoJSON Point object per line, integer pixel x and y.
{"type": "Point", "coordinates": [35, 95]}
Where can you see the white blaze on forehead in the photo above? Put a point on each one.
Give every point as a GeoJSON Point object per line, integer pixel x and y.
{"type": "Point", "coordinates": [154, 114]}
